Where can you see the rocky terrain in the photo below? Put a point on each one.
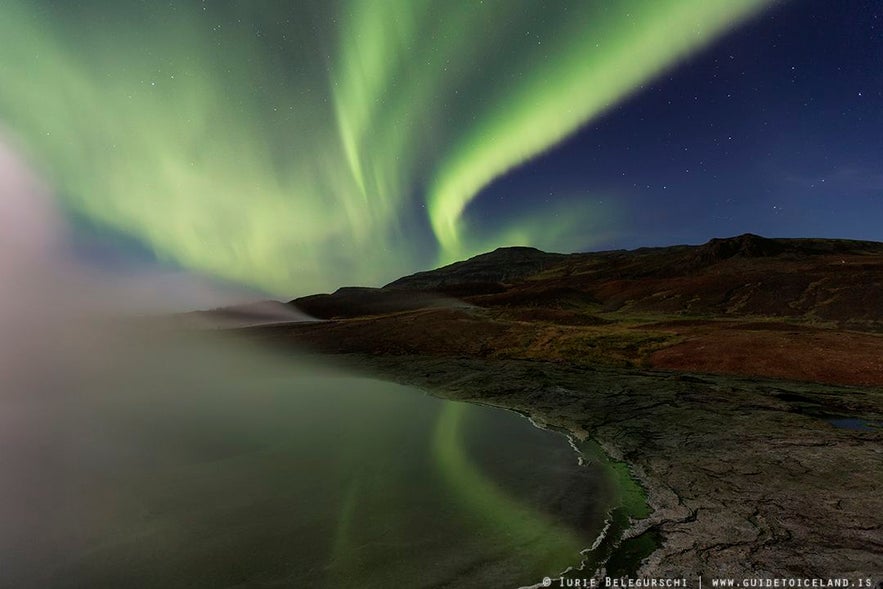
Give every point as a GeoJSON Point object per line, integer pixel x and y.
{"type": "Point", "coordinates": [740, 380]}
{"type": "Point", "coordinates": [801, 309]}
{"type": "Point", "coordinates": [745, 477]}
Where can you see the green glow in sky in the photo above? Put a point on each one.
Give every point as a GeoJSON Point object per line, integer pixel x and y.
{"type": "Point", "coordinates": [602, 55]}
{"type": "Point", "coordinates": [300, 147]}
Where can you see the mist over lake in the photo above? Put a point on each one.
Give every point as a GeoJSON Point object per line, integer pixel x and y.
{"type": "Point", "coordinates": [191, 460]}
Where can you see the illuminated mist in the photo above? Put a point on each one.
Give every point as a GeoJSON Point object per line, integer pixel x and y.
{"type": "Point", "coordinates": [297, 149]}
{"type": "Point", "coordinates": [136, 454]}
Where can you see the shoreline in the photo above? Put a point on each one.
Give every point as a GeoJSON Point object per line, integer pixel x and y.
{"type": "Point", "coordinates": [733, 468]}
{"type": "Point", "coordinates": [631, 505]}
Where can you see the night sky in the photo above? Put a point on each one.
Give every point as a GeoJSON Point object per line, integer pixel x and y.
{"type": "Point", "coordinates": [296, 147]}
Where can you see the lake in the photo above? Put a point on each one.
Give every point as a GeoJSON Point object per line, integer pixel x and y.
{"type": "Point", "coordinates": [178, 471]}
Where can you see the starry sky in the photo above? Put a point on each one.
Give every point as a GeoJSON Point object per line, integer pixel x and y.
{"type": "Point", "coordinates": [294, 147]}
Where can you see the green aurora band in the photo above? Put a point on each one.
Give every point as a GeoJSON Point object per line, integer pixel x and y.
{"type": "Point", "coordinates": [296, 149]}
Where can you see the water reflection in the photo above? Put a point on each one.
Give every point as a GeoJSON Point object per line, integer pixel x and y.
{"type": "Point", "coordinates": [201, 463]}
{"type": "Point", "coordinates": [132, 456]}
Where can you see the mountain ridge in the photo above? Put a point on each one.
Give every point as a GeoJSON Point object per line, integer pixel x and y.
{"type": "Point", "coordinates": [796, 278]}
{"type": "Point", "coordinates": [807, 309]}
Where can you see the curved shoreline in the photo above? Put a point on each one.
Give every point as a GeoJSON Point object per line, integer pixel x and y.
{"type": "Point", "coordinates": [741, 480]}
{"type": "Point", "coordinates": [629, 507]}
{"type": "Point", "coordinates": [629, 515]}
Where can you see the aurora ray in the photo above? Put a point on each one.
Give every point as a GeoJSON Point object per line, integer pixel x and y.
{"type": "Point", "coordinates": [599, 57]}
{"type": "Point", "coordinates": [300, 149]}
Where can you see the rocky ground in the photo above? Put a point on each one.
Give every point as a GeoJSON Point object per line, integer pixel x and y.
{"type": "Point", "coordinates": [740, 380]}
{"type": "Point", "coordinates": [745, 477]}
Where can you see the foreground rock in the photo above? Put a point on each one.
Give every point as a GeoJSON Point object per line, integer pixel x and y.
{"type": "Point", "coordinates": [745, 478]}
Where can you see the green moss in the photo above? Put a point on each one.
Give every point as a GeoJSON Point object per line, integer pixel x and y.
{"type": "Point", "coordinates": [620, 557]}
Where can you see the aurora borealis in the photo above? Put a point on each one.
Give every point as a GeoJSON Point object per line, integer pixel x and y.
{"type": "Point", "coordinates": [299, 148]}
{"type": "Point", "coordinates": [181, 180]}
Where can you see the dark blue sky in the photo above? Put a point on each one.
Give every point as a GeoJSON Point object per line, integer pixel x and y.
{"type": "Point", "coordinates": [777, 129]}
{"type": "Point", "coordinates": [296, 147]}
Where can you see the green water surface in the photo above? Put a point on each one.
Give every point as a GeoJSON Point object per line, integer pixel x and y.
{"type": "Point", "coordinates": [309, 480]}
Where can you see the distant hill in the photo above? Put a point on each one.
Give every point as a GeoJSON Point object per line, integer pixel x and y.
{"type": "Point", "coordinates": [352, 301]}
{"type": "Point", "coordinates": [820, 279]}
{"type": "Point", "coordinates": [505, 264]}
{"type": "Point", "coordinates": [244, 315]}
{"type": "Point", "coordinates": [799, 309]}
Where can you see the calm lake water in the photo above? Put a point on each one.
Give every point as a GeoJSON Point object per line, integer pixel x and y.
{"type": "Point", "coordinates": [301, 478]}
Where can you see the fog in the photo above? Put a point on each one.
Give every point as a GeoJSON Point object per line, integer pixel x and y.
{"type": "Point", "coordinates": [91, 395]}
{"type": "Point", "coordinates": [136, 452]}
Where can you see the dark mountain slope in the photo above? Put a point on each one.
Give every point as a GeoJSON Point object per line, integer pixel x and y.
{"type": "Point", "coordinates": [505, 264]}
{"type": "Point", "coordinates": [748, 275]}
{"type": "Point", "coordinates": [802, 309]}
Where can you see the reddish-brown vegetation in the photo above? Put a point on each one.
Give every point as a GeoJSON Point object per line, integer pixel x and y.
{"type": "Point", "coordinates": [808, 309]}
